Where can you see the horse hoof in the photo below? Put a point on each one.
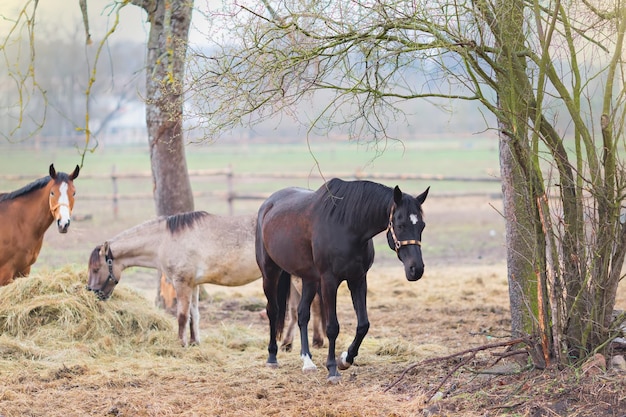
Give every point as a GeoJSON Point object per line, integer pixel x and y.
{"type": "Point", "coordinates": [286, 348]}
{"type": "Point", "coordinates": [343, 363]}
{"type": "Point", "coordinates": [309, 369]}
{"type": "Point", "coordinates": [334, 380]}
{"type": "Point", "coordinates": [272, 365]}
{"type": "Point", "coordinates": [308, 365]}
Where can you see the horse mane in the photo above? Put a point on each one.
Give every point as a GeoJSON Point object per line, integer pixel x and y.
{"type": "Point", "coordinates": [178, 222]}
{"type": "Point", "coordinates": [353, 202]}
{"type": "Point", "coordinates": [94, 258]}
{"type": "Point", "coordinates": [33, 186]}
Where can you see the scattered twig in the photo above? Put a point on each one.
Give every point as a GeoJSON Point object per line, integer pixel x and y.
{"type": "Point", "coordinates": [509, 353]}
{"type": "Point", "coordinates": [449, 374]}
{"type": "Point", "coordinates": [472, 352]}
{"type": "Point", "coordinates": [500, 373]}
{"type": "Point", "coordinates": [505, 407]}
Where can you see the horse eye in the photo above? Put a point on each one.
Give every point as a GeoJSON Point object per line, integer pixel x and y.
{"type": "Point", "coordinates": [52, 193]}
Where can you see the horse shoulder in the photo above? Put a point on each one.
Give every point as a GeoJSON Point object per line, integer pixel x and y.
{"type": "Point", "coordinates": [175, 257]}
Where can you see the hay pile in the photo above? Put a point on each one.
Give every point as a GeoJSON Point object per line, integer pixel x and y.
{"type": "Point", "coordinates": [53, 311]}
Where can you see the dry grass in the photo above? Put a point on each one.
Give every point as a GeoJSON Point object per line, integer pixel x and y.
{"type": "Point", "coordinates": [62, 353]}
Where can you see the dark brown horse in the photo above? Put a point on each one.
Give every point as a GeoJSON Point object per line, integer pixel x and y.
{"type": "Point", "coordinates": [325, 237]}
{"type": "Point", "coordinates": [26, 214]}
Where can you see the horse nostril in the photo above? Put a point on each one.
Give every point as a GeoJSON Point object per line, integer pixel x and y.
{"type": "Point", "coordinates": [62, 227]}
{"type": "Point", "coordinates": [415, 272]}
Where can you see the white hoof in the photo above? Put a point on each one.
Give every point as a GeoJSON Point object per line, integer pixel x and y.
{"type": "Point", "coordinates": [343, 364]}
{"type": "Point", "coordinates": [308, 365]}
{"type": "Point", "coordinates": [272, 365]}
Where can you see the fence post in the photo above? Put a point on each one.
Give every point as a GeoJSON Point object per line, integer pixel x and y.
{"type": "Point", "coordinates": [115, 194]}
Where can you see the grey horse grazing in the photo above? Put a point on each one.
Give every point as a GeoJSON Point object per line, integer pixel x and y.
{"type": "Point", "coordinates": [190, 248]}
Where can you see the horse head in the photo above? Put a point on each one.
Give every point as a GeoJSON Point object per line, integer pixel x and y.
{"type": "Point", "coordinates": [61, 197]}
{"type": "Point", "coordinates": [404, 233]}
{"type": "Point", "coordinates": [102, 272]}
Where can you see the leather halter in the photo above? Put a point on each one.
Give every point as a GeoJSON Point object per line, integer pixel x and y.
{"type": "Point", "coordinates": [108, 257]}
{"type": "Point", "coordinates": [57, 205]}
{"type": "Point", "coordinates": [399, 243]}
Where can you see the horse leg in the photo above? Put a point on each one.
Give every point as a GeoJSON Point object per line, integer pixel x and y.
{"type": "Point", "coordinates": [309, 288]}
{"type": "Point", "coordinates": [24, 272]}
{"type": "Point", "coordinates": [271, 277]}
{"type": "Point", "coordinates": [6, 276]}
{"type": "Point", "coordinates": [291, 318]}
{"type": "Point", "coordinates": [318, 322]}
{"type": "Point", "coordinates": [183, 295]}
{"type": "Point", "coordinates": [358, 291]}
{"type": "Point", "coordinates": [329, 297]}
{"type": "Point", "coordinates": [194, 317]}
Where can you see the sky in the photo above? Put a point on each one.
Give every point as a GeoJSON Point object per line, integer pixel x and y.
{"type": "Point", "coordinates": [65, 15]}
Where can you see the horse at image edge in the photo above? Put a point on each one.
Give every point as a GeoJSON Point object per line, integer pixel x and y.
{"type": "Point", "coordinates": [26, 214]}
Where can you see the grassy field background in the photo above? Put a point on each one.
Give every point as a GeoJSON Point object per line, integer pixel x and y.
{"type": "Point", "coordinates": [454, 225]}
{"type": "Point", "coordinates": [471, 158]}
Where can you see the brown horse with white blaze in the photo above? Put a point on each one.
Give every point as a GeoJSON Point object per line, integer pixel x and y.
{"type": "Point", "coordinates": [26, 214]}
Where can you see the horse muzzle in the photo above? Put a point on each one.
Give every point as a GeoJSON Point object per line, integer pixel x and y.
{"type": "Point", "coordinates": [414, 272]}
{"type": "Point", "coordinates": [63, 226]}
{"type": "Point", "coordinates": [100, 294]}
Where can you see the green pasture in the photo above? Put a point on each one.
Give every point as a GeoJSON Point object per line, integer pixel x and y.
{"type": "Point", "coordinates": [451, 233]}
{"type": "Point", "coordinates": [474, 158]}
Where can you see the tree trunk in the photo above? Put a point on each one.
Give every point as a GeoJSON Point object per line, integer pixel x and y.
{"type": "Point", "coordinates": [519, 251]}
{"type": "Point", "coordinates": [521, 185]}
{"type": "Point", "coordinates": [167, 46]}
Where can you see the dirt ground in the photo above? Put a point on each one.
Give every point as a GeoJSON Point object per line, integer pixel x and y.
{"type": "Point", "coordinates": [461, 303]}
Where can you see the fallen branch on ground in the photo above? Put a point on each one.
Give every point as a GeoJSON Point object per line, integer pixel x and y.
{"type": "Point", "coordinates": [472, 353]}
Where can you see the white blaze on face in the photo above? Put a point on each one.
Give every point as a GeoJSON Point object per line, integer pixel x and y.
{"type": "Point", "coordinates": [64, 205]}
{"type": "Point", "coordinates": [413, 218]}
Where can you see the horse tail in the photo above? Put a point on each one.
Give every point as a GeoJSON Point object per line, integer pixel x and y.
{"type": "Point", "coordinates": [284, 286]}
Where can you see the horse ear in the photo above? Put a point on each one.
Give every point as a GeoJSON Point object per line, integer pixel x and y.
{"type": "Point", "coordinates": [53, 172]}
{"type": "Point", "coordinates": [104, 248]}
{"type": "Point", "coordinates": [422, 197]}
{"type": "Point", "coordinates": [397, 195]}
{"type": "Point", "coordinates": [74, 174]}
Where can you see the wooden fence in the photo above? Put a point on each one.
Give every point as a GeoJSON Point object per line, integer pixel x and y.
{"type": "Point", "coordinates": [229, 194]}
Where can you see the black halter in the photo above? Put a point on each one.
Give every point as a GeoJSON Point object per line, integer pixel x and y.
{"type": "Point", "coordinates": [399, 243]}
{"type": "Point", "coordinates": [108, 257]}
